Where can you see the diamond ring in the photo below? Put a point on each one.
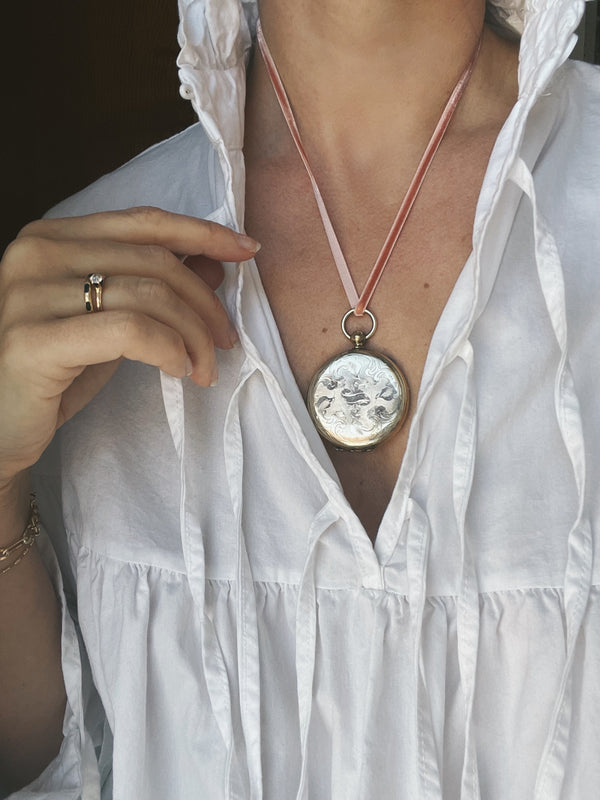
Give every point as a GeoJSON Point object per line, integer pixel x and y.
{"type": "Point", "coordinates": [92, 292]}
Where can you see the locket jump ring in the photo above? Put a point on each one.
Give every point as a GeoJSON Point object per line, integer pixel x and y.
{"type": "Point", "coordinates": [366, 335]}
{"type": "Point", "coordinates": [92, 292]}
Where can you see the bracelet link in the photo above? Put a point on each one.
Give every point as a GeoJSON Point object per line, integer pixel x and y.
{"type": "Point", "coordinates": [26, 540]}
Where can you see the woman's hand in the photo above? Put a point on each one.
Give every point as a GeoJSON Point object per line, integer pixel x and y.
{"type": "Point", "coordinates": [54, 356]}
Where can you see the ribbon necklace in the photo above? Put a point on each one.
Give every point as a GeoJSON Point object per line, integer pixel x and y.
{"type": "Point", "coordinates": [358, 398]}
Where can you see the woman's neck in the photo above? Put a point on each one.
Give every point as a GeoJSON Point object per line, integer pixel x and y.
{"type": "Point", "coordinates": [388, 64]}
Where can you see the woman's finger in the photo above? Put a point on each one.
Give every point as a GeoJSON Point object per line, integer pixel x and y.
{"type": "Point", "coordinates": [149, 296]}
{"type": "Point", "coordinates": [53, 353]}
{"type": "Point", "coordinates": [148, 225]}
{"type": "Point", "coordinates": [31, 263]}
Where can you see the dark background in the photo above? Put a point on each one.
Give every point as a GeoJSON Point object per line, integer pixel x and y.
{"type": "Point", "coordinates": [87, 84]}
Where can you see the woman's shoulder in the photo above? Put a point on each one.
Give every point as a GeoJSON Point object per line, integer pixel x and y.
{"type": "Point", "coordinates": [576, 86]}
{"type": "Point", "coordinates": [582, 77]}
{"type": "Point", "coordinates": [177, 174]}
{"type": "Point", "coordinates": [567, 166]}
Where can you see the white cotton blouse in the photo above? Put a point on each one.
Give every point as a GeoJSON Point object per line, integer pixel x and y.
{"type": "Point", "coordinates": [229, 630]}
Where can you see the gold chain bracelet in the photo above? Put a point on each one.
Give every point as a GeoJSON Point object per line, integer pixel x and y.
{"type": "Point", "coordinates": [24, 544]}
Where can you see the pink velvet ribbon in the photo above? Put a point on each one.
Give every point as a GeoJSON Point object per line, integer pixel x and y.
{"type": "Point", "coordinates": [360, 303]}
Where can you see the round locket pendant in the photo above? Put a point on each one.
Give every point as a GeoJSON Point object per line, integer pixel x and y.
{"type": "Point", "coordinates": [359, 398]}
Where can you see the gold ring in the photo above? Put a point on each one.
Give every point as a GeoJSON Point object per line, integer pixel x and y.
{"type": "Point", "coordinates": [92, 292]}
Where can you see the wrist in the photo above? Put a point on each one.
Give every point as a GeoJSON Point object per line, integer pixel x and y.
{"type": "Point", "coordinates": [14, 507]}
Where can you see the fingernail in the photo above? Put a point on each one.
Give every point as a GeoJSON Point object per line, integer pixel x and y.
{"type": "Point", "coordinates": [214, 378]}
{"type": "Point", "coordinates": [233, 336]}
{"type": "Point", "coordinates": [189, 367]}
{"type": "Point", "coordinates": [247, 243]}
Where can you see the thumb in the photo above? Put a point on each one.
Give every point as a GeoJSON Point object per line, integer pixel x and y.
{"type": "Point", "coordinates": [211, 272]}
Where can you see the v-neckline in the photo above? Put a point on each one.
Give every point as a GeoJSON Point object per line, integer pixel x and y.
{"type": "Point", "coordinates": [455, 310]}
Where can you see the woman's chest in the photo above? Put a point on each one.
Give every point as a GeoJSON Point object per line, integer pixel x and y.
{"type": "Point", "coordinates": [308, 299]}
{"type": "Point", "coordinates": [302, 282]}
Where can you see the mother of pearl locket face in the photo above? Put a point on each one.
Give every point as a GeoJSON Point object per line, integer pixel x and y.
{"type": "Point", "coordinates": [358, 398]}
